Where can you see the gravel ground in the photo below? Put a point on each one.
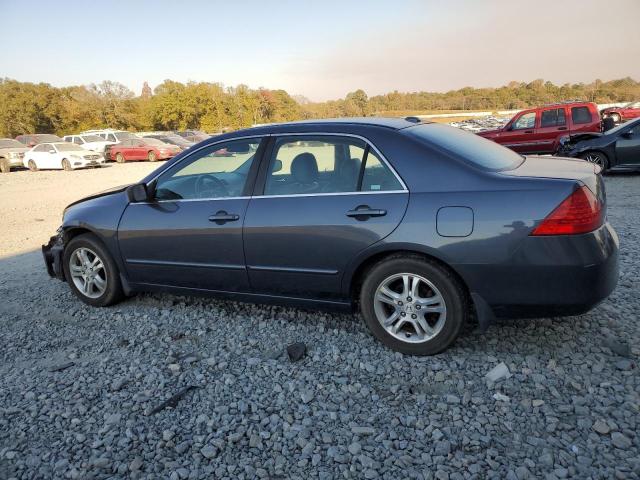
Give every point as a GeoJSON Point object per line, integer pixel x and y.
{"type": "Point", "coordinates": [563, 401]}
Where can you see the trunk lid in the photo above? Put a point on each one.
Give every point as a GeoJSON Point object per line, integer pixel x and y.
{"type": "Point", "coordinates": [561, 168]}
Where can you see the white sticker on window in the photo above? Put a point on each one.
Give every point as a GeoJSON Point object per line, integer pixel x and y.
{"type": "Point", "coordinates": [375, 187]}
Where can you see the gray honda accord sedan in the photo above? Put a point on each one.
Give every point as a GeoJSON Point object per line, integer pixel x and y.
{"type": "Point", "coordinates": [418, 226]}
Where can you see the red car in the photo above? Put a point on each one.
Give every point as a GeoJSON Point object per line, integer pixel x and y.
{"type": "Point", "coordinates": [538, 130]}
{"type": "Point", "coordinates": [622, 114]}
{"type": "Point", "coordinates": [142, 149]}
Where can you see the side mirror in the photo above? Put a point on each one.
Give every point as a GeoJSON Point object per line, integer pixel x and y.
{"type": "Point", "coordinates": [137, 193]}
{"type": "Point", "coordinates": [277, 166]}
{"type": "Point", "coordinates": [52, 151]}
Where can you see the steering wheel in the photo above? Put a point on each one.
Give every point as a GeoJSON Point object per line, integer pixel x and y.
{"type": "Point", "coordinates": [208, 185]}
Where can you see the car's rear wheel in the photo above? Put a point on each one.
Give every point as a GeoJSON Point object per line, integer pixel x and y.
{"type": "Point", "coordinates": [91, 273]}
{"type": "Point", "coordinates": [119, 158]}
{"type": "Point", "coordinates": [32, 166]}
{"type": "Point", "coordinates": [5, 166]}
{"type": "Point", "coordinates": [598, 158]}
{"type": "Point", "coordinates": [66, 165]}
{"type": "Point", "coordinates": [151, 156]}
{"type": "Point", "coordinates": [413, 305]}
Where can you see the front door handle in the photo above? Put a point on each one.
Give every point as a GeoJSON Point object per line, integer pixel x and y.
{"type": "Point", "coordinates": [528, 131]}
{"type": "Point", "coordinates": [364, 212]}
{"type": "Point", "coordinates": [222, 217]}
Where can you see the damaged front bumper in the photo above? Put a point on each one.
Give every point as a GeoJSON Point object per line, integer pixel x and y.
{"type": "Point", "coordinates": [52, 253]}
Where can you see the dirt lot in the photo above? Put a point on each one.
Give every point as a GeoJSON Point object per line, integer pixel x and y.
{"type": "Point", "coordinates": [33, 201]}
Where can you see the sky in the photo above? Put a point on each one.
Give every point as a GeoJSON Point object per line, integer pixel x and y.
{"type": "Point", "coordinates": [320, 49]}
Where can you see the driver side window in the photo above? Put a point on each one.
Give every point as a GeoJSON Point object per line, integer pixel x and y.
{"type": "Point", "coordinates": [528, 120]}
{"type": "Point", "coordinates": [218, 171]}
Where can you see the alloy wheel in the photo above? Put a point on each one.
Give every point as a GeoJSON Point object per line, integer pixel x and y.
{"type": "Point", "coordinates": [410, 307]}
{"type": "Point", "coordinates": [88, 272]}
{"type": "Point", "coordinates": [595, 158]}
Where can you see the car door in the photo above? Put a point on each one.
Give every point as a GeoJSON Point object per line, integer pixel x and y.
{"type": "Point", "coordinates": [50, 157]}
{"type": "Point", "coordinates": [520, 134]}
{"type": "Point", "coordinates": [320, 199]}
{"type": "Point", "coordinates": [628, 146]}
{"type": "Point", "coordinates": [39, 155]}
{"type": "Point", "coordinates": [189, 234]}
{"type": "Point", "coordinates": [553, 124]}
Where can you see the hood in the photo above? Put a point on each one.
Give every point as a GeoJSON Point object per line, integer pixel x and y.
{"type": "Point", "coordinates": [490, 133]}
{"type": "Point", "coordinates": [104, 193]}
{"type": "Point", "coordinates": [14, 150]}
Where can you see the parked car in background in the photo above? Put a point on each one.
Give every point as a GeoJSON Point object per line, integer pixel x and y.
{"type": "Point", "coordinates": [11, 154]}
{"type": "Point", "coordinates": [171, 139]}
{"type": "Point", "coordinates": [313, 213]}
{"type": "Point", "coordinates": [624, 113]}
{"type": "Point", "coordinates": [36, 138]}
{"type": "Point", "coordinates": [616, 149]}
{"type": "Point", "coordinates": [61, 156]}
{"type": "Point", "coordinates": [114, 136]}
{"type": "Point", "coordinates": [538, 130]}
{"type": "Point", "coordinates": [194, 136]}
{"type": "Point", "coordinates": [142, 149]}
{"type": "Point", "coordinates": [89, 141]}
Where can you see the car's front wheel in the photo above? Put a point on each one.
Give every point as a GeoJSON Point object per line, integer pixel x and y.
{"type": "Point", "coordinates": [151, 156]}
{"type": "Point", "coordinates": [119, 158]}
{"type": "Point", "coordinates": [66, 165]}
{"type": "Point", "coordinates": [91, 272]}
{"type": "Point", "coordinates": [32, 165]}
{"type": "Point", "coordinates": [598, 158]}
{"type": "Point", "coordinates": [5, 166]}
{"type": "Point", "coordinates": [413, 305]}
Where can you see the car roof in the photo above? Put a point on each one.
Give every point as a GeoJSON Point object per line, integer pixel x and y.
{"type": "Point", "coordinates": [387, 122]}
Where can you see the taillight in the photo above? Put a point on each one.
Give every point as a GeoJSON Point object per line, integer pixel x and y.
{"type": "Point", "coordinates": [580, 212]}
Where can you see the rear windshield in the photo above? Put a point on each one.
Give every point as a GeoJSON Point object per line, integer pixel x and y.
{"type": "Point", "coordinates": [470, 147]}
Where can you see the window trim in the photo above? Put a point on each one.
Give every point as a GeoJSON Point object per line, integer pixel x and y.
{"type": "Point", "coordinates": [263, 161]}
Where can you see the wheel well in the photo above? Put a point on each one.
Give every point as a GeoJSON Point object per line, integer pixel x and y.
{"type": "Point", "coordinates": [595, 150]}
{"type": "Point", "coordinates": [74, 232]}
{"type": "Point", "coordinates": [364, 267]}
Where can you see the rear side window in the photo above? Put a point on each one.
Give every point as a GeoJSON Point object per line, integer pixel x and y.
{"type": "Point", "coordinates": [581, 115]}
{"type": "Point", "coordinates": [469, 147]}
{"type": "Point", "coordinates": [553, 118]}
{"type": "Point", "coordinates": [318, 164]}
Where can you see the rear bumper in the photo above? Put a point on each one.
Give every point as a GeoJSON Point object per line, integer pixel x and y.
{"type": "Point", "coordinates": [52, 254]}
{"type": "Point", "coordinates": [549, 276]}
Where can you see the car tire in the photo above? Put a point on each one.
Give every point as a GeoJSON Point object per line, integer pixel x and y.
{"type": "Point", "coordinates": [5, 166]}
{"type": "Point", "coordinates": [66, 165]}
{"type": "Point", "coordinates": [32, 165]}
{"type": "Point", "coordinates": [598, 158]}
{"type": "Point", "coordinates": [119, 158]}
{"type": "Point", "coordinates": [151, 156]}
{"type": "Point", "coordinates": [83, 281]}
{"type": "Point", "coordinates": [439, 294]}
{"type": "Point", "coordinates": [616, 117]}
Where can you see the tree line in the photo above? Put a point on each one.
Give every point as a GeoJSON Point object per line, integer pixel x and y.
{"type": "Point", "coordinates": [41, 108]}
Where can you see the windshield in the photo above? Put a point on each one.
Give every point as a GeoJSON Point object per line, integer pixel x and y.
{"type": "Point", "coordinates": [154, 141]}
{"type": "Point", "coordinates": [468, 146]}
{"type": "Point", "coordinates": [124, 135]}
{"type": "Point", "coordinates": [622, 126]}
{"type": "Point", "coordinates": [69, 147]}
{"type": "Point", "coordinates": [92, 138]}
{"type": "Point", "coordinates": [10, 143]}
{"type": "Point", "coordinates": [47, 138]}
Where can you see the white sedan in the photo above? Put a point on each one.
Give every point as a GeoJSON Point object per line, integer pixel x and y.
{"type": "Point", "coordinates": [61, 155]}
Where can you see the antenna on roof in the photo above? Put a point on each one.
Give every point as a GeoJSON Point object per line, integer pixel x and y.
{"type": "Point", "coordinates": [412, 119]}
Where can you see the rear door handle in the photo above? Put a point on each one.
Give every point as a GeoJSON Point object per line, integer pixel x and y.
{"type": "Point", "coordinates": [363, 212]}
{"type": "Point", "coordinates": [223, 217]}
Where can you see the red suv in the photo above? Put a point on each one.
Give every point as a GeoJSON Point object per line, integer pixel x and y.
{"type": "Point", "coordinates": [538, 130]}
